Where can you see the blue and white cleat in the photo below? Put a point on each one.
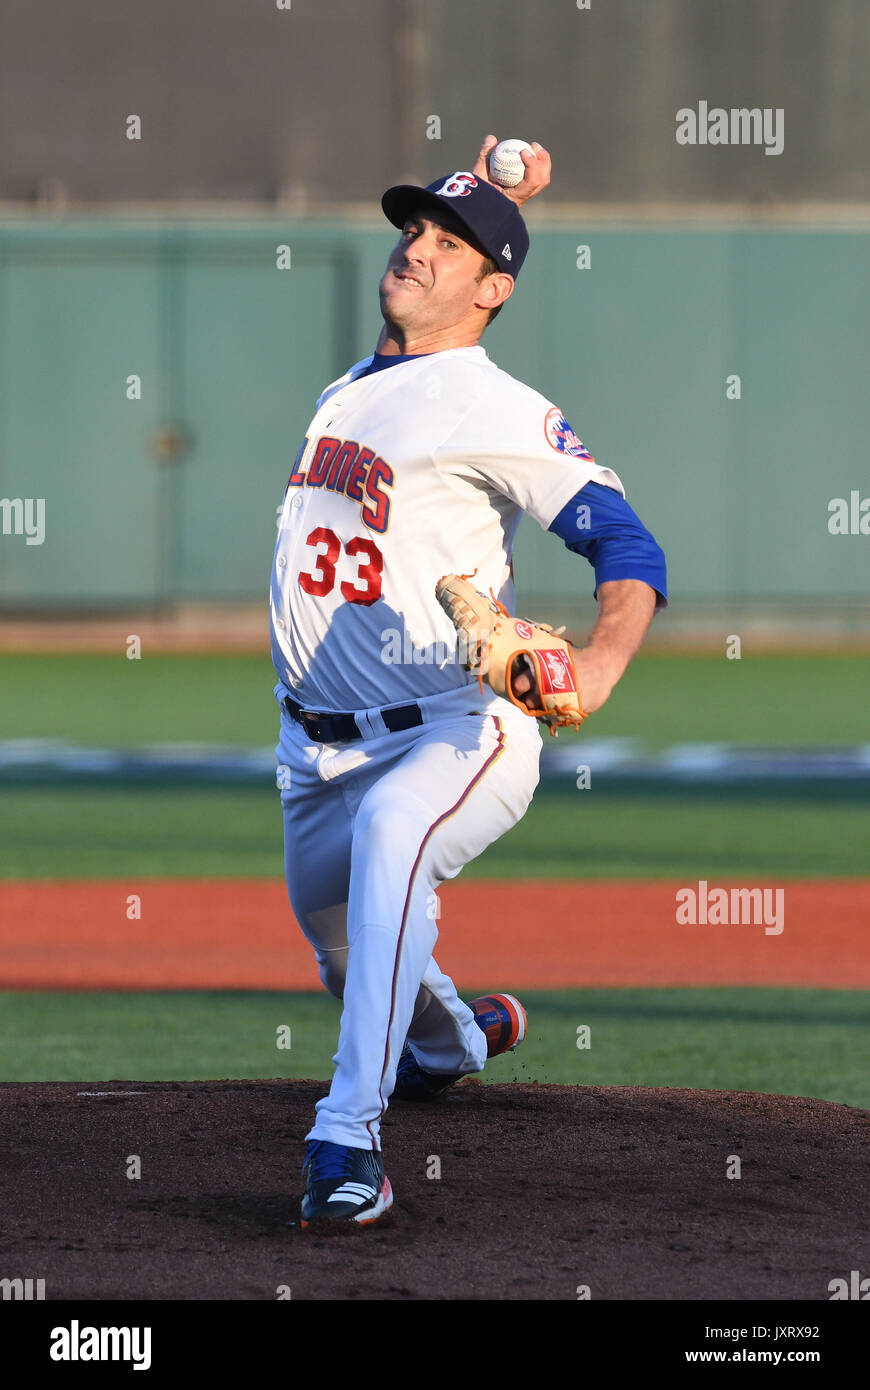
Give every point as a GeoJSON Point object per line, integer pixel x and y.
{"type": "Point", "coordinates": [343, 1184]}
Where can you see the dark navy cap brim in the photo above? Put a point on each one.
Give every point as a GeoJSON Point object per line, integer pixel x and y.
{"type": "Point", "coordinates": [488, 228]}
{"type": "Point", "coordinates": [404, 199]}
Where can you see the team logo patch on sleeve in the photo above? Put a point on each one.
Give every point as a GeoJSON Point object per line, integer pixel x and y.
{"type": "Point", "coordinates": [562, 438]}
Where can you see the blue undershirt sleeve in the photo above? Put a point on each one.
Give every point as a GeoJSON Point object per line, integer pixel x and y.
{"type": "Point", "coordinates": [599, 523]}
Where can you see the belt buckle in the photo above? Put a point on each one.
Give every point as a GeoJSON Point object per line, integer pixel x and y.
{"type": "Point", "coordinates": [311, 723]}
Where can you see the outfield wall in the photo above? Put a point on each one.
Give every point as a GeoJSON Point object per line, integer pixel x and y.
{"type": "Point", "coordinates": [172, 497]}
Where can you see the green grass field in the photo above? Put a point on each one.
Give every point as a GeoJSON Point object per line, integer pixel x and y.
{"type": "Point", "coordinates": [116, 830]}
{"type": "Point", "coordinates": [793, 1042]}
{"type": "Point", "coordinates": [797, 1042]}
{"type": "Point", "coordinates": [226, 832]}
{"type": "Point", "coordinates": [104, 699]}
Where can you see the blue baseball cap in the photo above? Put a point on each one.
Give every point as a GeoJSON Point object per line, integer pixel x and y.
{"type": "Point", "coordinates": [493, 220]}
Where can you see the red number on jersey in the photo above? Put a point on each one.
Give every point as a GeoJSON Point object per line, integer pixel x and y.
{"type": "Point", "coordinates": [371, 571]}
{"type": "Point", "coordinates": [325, 566]}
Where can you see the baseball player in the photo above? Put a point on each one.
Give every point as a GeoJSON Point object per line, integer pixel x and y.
{"type": "Point", "coordinates": [411, 699]}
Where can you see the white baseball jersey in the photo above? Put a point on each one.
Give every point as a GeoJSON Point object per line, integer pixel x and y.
{"type": "Point", "coordinates": [412, 472]}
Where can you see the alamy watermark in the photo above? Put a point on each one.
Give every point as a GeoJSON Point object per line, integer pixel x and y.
{"type": "Point", "coordinates": [22, 1290]}
{"type": "Point", "coordinates": [849, 516]}
{"type": "Point", "coordinates": [23, 516]}
{"type": "Point", "coordinates": [856, 1287]}
{"type": "Point", "coordinates": [77, 1343]}
{"type": "Point", "coordinates": [741, 125]}
{"type": "Point", "coordinates": [397, 649]}
{"type": "Point", "coordinates": [735, 906]}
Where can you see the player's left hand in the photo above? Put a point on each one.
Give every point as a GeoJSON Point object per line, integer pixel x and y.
{"type": "Point", "coordinates": [535, 180]}
{"type": "Point", "coordinates": [594, 687]}
{"type": "Point", "coordinates": [525, 687]}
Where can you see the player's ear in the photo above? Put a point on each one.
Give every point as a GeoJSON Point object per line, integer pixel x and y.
{"type": "Point", "coordinates": [494, 290]}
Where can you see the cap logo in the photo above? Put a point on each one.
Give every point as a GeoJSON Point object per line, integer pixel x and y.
{"type": "Point", "coordinates": [506, 251]}
{"type": "Point", "coordinates": [459, 185]}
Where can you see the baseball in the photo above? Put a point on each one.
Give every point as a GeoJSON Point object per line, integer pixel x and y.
{"type": "Point", "coordinates": [505, 164]}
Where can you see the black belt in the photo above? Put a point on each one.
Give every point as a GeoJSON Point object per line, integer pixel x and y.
{"type": "Point", "coordinates": [341, 728]}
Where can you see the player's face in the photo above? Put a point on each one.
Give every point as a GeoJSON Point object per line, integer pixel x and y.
{"type": "Point", "coordinates": [432, 276]}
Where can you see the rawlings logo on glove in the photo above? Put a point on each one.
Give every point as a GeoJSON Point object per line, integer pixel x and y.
{"type": "Point", "coordinates": [500, 648]}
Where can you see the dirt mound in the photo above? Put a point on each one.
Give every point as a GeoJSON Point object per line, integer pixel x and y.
{"type": "Point", "coordinates": [542, 1189]}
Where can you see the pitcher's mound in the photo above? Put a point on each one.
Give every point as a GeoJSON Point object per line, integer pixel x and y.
{"type": "Point", "coordinates": [522, 1192]}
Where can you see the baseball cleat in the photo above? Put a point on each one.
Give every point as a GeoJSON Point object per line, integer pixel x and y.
{"type": "Point", "coordinates": [500, 1016]}
{"type": "Point", "coordinates": [503, 1019]}
{"type": "Point", "coordinates": [343, 1184]}
{"type": "Point", "coordinates": [413, 1083]}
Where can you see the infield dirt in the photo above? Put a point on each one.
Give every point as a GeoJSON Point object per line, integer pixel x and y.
{"type": "Point", "coordinates": [542, 1190]}
{"type": "Point", "coordinates": [240, 934]}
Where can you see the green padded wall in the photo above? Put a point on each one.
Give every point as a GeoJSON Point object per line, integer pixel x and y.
{"type": "Point", "coordinates": [233, 351]}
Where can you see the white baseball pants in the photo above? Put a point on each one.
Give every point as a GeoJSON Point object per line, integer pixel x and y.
{"type": "Point", "coordinates": [371, 828]}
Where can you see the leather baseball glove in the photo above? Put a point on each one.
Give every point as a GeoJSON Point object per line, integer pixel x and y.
{"type": "Point", "coordinates": [499, 647]}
